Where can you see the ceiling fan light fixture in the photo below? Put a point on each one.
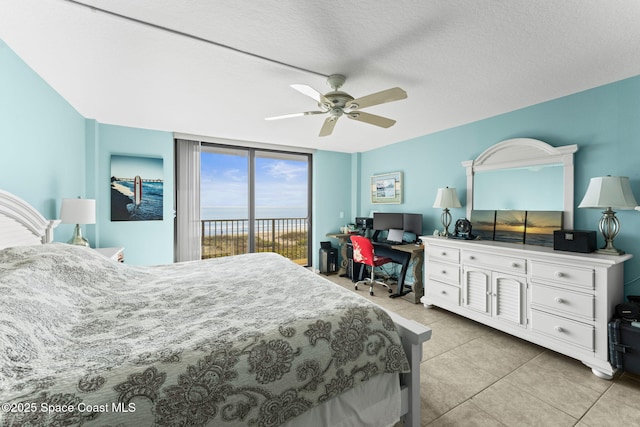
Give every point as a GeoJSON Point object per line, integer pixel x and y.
{"type": "Point", "coordinates": [337, 103]}
{"type": "Point", "coordinates": [336, 113]}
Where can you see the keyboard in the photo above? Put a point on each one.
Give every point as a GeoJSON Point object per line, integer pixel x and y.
{"type": "Point", "coordinates": [390, 243]}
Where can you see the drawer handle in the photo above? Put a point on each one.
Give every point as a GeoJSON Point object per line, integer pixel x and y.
{"type": "Point", "coordinates": [559, 329]}
{"type": "Point", "coordinates": [472, 257]}
{"type": "Point", "coordinates": [444, 254]}
{"type": "Point", "coordinates": [443, 292]}
{"type": "Point", "coordinates": [443, 272]}
{"type": "Point", "coordinates": [559, 300]}
{"type": "Point", "coordinates": [560, 274]}
{"type": "Point", "coordinates": [514, 265]}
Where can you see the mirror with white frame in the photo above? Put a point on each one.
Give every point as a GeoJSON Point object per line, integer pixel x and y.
{"type": "Point", "coordinates": [522, 174]}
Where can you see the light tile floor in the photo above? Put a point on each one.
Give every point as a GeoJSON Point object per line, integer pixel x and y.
{"type": "Point", "coordinates": [473, 375]}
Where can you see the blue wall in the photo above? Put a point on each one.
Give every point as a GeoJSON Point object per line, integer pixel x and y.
{"type": "Point", "coordinates": [42, 152]}
{"type": "Point", "coordinates": [49, 151]}
{"type": "Point", "coordinates": [332, 196]}
{"type": "Point", "coordinates": [145, 242]}
{"type": "Point", "coordinates": [604, 123]}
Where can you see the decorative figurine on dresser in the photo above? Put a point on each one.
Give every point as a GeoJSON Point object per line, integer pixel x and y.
{"type": "Point", "coordinates": [557, 299]}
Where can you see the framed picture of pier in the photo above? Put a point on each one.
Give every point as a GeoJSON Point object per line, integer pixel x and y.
{"type": "Point", "coordinates": [386, 188]}
{"type": "Point", "coordinates": [137, 188]}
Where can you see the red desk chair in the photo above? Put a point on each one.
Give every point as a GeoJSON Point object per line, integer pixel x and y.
{"type": "Point", "coordinates": [363, 254]}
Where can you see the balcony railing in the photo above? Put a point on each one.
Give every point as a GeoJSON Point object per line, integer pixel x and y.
{"type": "Point", "coordinates": [287, 236]}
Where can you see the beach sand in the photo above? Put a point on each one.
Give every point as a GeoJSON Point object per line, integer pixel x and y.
{"type": "Point", "coordinates": [122, 189]}
{"type": "Point", "coordinates": [120, 198]}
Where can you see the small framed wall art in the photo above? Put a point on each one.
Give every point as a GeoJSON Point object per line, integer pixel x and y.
{"type": "Point", "coordinates": [386, 188]}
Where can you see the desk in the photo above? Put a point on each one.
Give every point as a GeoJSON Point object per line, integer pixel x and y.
{"type": "Point", "coordinates": [417, 254]}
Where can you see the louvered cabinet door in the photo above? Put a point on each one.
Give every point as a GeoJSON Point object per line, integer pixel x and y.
{"type": "Point", "coordinates": [509, 298]}
{"type": "Point", "coordinates": [477, 290]}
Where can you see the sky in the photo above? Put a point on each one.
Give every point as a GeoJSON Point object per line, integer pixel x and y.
{"type": "Point", "coordinates": [130, 166]}
{"type": "Point", "coordinates": [279, 183]}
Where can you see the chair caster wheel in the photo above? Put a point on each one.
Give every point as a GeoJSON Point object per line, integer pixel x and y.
{"type": "Point", "coordinates": [371, 293]}
{"type": "Point", "coordinates": [390, 290]}
{"type": "Point", "coordinates": [356, 287]}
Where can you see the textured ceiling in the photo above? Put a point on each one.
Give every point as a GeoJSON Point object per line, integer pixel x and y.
{"type": "Point", "coordinates": [459, 60]}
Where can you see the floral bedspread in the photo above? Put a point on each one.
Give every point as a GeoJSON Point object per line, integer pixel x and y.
{"type": "Point", "coordinates": [250, 340]}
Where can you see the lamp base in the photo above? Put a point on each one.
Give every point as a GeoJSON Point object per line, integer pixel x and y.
{"type": "Point", "coordinates": [77, 238]}
{"type": "Point", "coordinates": [610, 251]}
{"type": "Point", "coordinates": [609, 226]}
{"type": "Point", "coordinates": [446, 222]}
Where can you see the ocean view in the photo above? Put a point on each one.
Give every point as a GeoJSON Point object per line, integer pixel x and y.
{"type": "Point", "coordinates": [233, 220]}
{"type": "Point", "coordinates": [280, 199]}
{"type": "Point", "coordinates": [277, 229]}
{"type": "Point", "coordinates": [265, 212]}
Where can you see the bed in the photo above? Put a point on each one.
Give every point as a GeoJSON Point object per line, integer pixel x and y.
{"type": "Point", "coordinates": [250, 340]}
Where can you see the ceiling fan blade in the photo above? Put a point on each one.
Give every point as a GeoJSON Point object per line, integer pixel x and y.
{"type": "Point", "coordinates": [389, 95]}
{"type": "Point", "coordinates": [312, 93]}
{"type": "Point", "coordinates": [372, 119]}
{"type": "Point", "coordinates": [287, 116]}
{"type": "Point", "coordinates": [328, 126]}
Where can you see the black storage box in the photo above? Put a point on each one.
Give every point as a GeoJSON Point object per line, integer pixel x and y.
{"type": "Point", "coordinates": [624, 346]}
{"type": "Point", "coordinates": [328, 259]}
{"type": "Point", "coordinates": [364, 223]}
{"type": "Point", "coordinates": [574, 241]}
{"type": "Point", "coordinates": [354, 269]}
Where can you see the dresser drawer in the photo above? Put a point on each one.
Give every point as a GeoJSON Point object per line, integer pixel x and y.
{"type": "Point", "coordinates": [443, 292]}
{"type": "Point", "coordinates": [563, 301]}
{"type": "Point", "coordinates": [572, 332]}
{"type": "Point", "coordinates": [498, 262]}
{"type": "Point", "coordinates": [448, 273]}
{"type": "Point", "coordinates": [574, 276]}
{"type": "Point", "coordinates": [443, 253]}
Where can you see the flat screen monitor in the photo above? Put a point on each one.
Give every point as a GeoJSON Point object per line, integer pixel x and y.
{"type": "Point", "coordinates": [387, 220]}
{"type": "Point", "coordinates": [412, 223]}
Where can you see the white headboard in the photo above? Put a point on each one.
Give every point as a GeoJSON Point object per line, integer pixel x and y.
{"type": "Point", "coordinates": [21, 224]}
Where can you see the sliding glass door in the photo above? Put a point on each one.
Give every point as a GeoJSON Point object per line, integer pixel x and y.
{"type": "Point", "coordinates": [224, 201]}
{"type": "Point", "coordinates": [255, 200]}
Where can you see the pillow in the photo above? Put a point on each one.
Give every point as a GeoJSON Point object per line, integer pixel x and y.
{"type": "Point", "coordinates": [60, 269]}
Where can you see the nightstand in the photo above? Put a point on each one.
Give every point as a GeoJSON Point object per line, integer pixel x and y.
{"type": "Point", "coordinates": [116, 254]}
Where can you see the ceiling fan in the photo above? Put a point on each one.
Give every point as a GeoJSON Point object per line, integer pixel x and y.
{"type": "Point", "coordinates": [337, 103]}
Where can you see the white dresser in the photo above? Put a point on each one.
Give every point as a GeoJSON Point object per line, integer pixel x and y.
{"type": "Point", "coordinates": [559, 300]}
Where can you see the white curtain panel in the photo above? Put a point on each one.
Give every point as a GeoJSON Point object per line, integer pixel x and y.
{"type": "Point", "coordinates": [188, 228]}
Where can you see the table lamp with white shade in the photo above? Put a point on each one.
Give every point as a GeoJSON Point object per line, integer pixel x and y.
{"type": "Point", "coordinates": [445, 199]}
{"type": "Point", "coordinates": [609, 192]}
{"type": "Point", "coordinates": [78, 211]}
